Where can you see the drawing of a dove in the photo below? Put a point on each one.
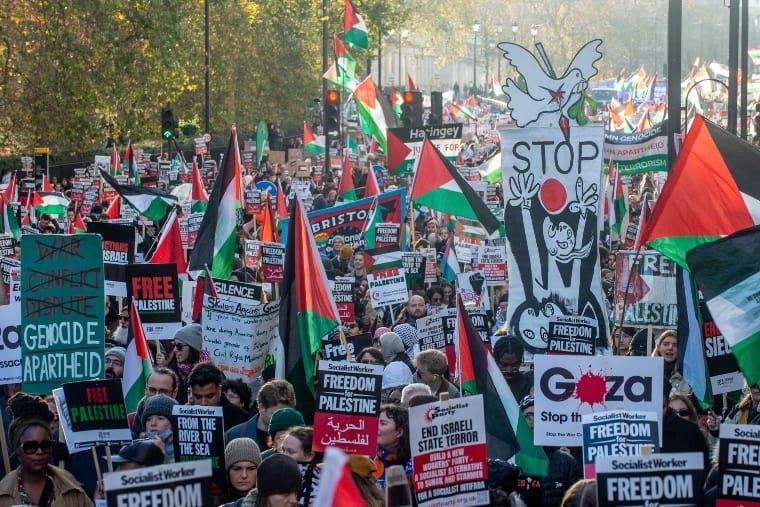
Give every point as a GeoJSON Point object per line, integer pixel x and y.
{"type": "Point", "coordinates": [546, 94]}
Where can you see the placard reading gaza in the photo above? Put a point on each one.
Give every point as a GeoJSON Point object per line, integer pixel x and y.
{"type": "Point", "coordinates": [199, 435]}
{"type": "Point", "coordinates": [448, 441]}
{"type": "Point", "coordinates": [155, 289]}
{"type": "Point", "coordinates": [61, 310]}
{"type": "Point", "coordinates": [618, 433]}
{"type": "Point", "coordinates": [657, 479]}
{"type": "Point", "coordinates": [567, 387]}
{"type": "Point", "coordinates": [738, 465]}
{"type": "Point", "coordinates": [348, 405]}
{"type": "Point", "coordinates": [174, 484]}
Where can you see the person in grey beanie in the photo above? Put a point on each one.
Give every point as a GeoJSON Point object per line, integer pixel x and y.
{"type": "Point", "coordinates": [115, 362]}
{"type": "Point", "coordinates": [187, 352]}
{"type": "Point", "coordinates": [157, 421]}
{"type": "Point", "coordinates": [277, 484]}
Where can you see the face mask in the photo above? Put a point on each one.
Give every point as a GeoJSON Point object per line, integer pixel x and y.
{"type": "Point", "coordinates": [163, 434]}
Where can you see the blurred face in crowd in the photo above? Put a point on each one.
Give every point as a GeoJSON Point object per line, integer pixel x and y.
{"type": "Point", "coordinates": [359, 262]}
{"type": "Point", "coordinates": [181, 351]}
{"type": "Point", "coordinates": [353, 329]}
{"type": "Point", "coordinates": [623, 341]}
{"type": "Point", "coordinates": [34, 449]}
{"type": "Point", "coordinates": [209, 395]}
{"type": "Point", "coordinates": [286, 500]}
{"type": "Point", "coordinates": [529, 414]}
{"type": "Point", "coordinates": [680, 408]}
{"type": "Point", "coordinates": [292, 447]}
{"type": "Point", "coordinates": [668, 348]}
{"type": "Point", "coordinates": [416, 306]}
{"type": "Point", "coordinates": [388, 436]}
{"type": "Point", "coordinates": [114, 367]}
{"type": "Point", "coordinates": [509, 366]}
{"type": "Point", "coordinates": [243, 476]}
{"type": "Point", "coordinates": [159, 383]}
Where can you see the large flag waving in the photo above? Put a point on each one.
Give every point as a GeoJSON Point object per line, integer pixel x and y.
{"type": "Point", "coordinates": [728, 273]}
{"type": "Point", "coordinates": [136, 362]}
{"type": "Point", "coordinates": [307, 309]}
{"type": "Point", "coordinates": [150, 202]}
{"type": "Point", "coordinates": [198, 195]}
{"type": "Point", "coordinates": [711, 191]}
{"type": "Point", "coordinates": [346, 188]}
{"type": "Point", "coordinates": [354, 30]}
{"type": "Point", "coordinates": [216, 241]}
{"type": "Point", "coordinates": [439, 185]}
{"type": "Point", "coordinates": [371, 111]}
{"type": "Point", "coordinates": [53, 203]}
{"type": "Point", "coordinates": [310, 143]}
{"type": "Point", "coordinates": [482, 376]}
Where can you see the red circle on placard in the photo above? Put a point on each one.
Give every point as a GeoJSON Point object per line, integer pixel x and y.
{"type": "Point", "coordinates": [553, 195]}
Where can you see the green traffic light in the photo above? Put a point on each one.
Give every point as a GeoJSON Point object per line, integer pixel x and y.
{"type": "Point", "coordinates": [168, 134]}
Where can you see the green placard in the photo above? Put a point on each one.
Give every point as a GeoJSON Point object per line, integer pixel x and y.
{"type": "Point", "coordinates": [62, 305]}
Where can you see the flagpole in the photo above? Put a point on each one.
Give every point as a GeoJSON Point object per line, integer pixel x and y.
{"type": "Point", "coordinates": [160, 233]}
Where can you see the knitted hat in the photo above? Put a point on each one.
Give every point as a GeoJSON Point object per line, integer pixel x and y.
{"type": "Point", "coordinates": [346, 252]}
{"type": "Point", "coordinates": [283, 419]}
{"type": "Point", "coordinates": [159, 404]}
{"type": "Point", "coordinates": [192, 334]}
{"type": "Point", "coordinates": [241, 449]}
{"type": "Point", "coordinates": [391, 344]}
{"type": "Point", "coordinates": [118, 352]}
{"type": "Point", "coordinates": [278, 475]}
{"type": "Point", "coordinates": [380, 332]}
{"type": "Point", "coordinates": [639, 342]}
{"type": "Point", "coordinates": [408, 335]}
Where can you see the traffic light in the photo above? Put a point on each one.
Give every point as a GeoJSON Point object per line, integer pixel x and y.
{"type": "Point", "coordinates": [331, 116]}
{"type": "Point", "coordinates": [436, 109]}
{"type": "Point", "coordinates": [411, 109]}
{"type": "Point", "coordinates": [169, 123]}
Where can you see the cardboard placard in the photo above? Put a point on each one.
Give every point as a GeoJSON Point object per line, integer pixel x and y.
{"type": "Point", "coordinates": [617, 433]}
{"type": "Point", "coordinates": [199, 436]}
{"type": "Point", "coordinates": [170, 484]}
{"type": "Point", "coordinates": [155, 290]}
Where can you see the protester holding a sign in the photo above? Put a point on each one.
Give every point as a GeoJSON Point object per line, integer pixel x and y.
{"type": "Point", "coordinates": [205, 382]}
{"type": "Point", "coordinates": [157, 421]}
{"type": "Point", "coordinates": [35, 482]}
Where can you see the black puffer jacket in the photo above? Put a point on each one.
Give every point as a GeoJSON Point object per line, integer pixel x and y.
{"type": "Point", "coordinates": [563, 473]}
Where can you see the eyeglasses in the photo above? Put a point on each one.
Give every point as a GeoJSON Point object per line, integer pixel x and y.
{"type": "Point", "coordinates": [114, 362]}
{"type": "Point", "coordinates": [352, 326]}
{"type": "Point", "coordinates": [156, 390]}
{"type": "Point", "coordinates": [121, 317]}
{"type": "Point", "coordinates": [179, 346]}
{"type": "Point", "coordinates": [684, 412]}
{"type": "Point", "coordinates": [32, 446]}
{"type": "Point", "coordinates": [436, 300]}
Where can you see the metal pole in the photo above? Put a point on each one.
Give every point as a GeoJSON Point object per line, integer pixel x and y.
{"type": "Point", "coordinates": [475, 64]}
{"type": "Point", "coordinates": [745, 66]}
{"type": "Point", "coordinates": [380, 58]}
{"type": "Point", "coordinates": [208, 70]}
{"type": "Point", "coordinates": [733, 63]}
{"type": "Point", "coordinates": [675, 15]}
{"type": "Point", "coordinates": [398, 77]}
{"type": "Point", "coordinates": [324, 81]}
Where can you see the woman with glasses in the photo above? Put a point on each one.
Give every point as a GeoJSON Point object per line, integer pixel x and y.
{"type": "Point", "coordinates": [188, 351]}
{"type": "Point", "coordinates": [684, 408]}
{"type": "Point", "coordinates": [35, 482]}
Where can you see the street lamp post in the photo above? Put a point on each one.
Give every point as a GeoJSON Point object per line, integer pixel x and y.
{"type": "Point", "coordinates": [499, 30]}
{"type": "Point", "coordinates": [475, 29]}
{"type": "Point", "coordinates": [534, 32]}
{"type": "Point", "coordinates": [515, 28]}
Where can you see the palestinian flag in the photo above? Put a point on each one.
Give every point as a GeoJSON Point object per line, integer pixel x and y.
{"type": "Point", "coordinates": [128, 164]}
{"type": "Point", "coordinates": [382, 258]}
{"type": "Point", "coordinates": [354, 30]}
{"type": "Point", "coordinates": [462, 112]}
{"type": "Point", "coordinates": [8, 221]}
{"type": "Point", "coordinates": [397, 152]}
{"type": "Point", "coordinates": [216, 241]}
{"type": "Point", "coordinates": [336, 486]}
{"type": "Point", "coordinates": [345, 65]}
{"type": "Point", "coordinates": [149, 202]}
{"type": "Point", "coordinates": [449, 263]}
{"type": "Point", "coordinates": [619, 214]}
{"type": "Point", "coordinates": [372, 188]}
{"type": "Point", "coordinates": [691, 351]}
{"type": "Point", "coordinates": [282, 208]}
{"type": "Point", "coordinates": [46, 186]}
{"type": "Point", "coordinates": [32, 202]}
{"type": "Point", "coordinates": [169, 249]}
{"type": "Point", "coordinates": [199, 197]}
{"type": "Point", "coordinates": [332, 75]}
{"type": "Point", "coordinates": [114, 209]}
{"type": "Point", "coordinates": [53, 203]}
{"type": "Point", "coordinates": [307, 309]}
{"type": "Point", "coordinates": [728, 273]}
{"type": "Point", "coordinates": [438, 185]}
{"type": "Point", "coordinates": [646, 212]}
{"type": "Point", "coordinates": [711, 191]}
{"type": "Point", "coordinates": [374, 217]}
{"type": "Point", "coordinates": [136, 362]}
{"type": "Point", "coordinates": [310, 143]}
{"type": "Point", "coordinates": [77, 226]}
{"type": "Point", "coordinates": [481, 375]}
{"type": "Point", "coordinates": [371, 111]}
{"type": "Point", "coordinates": [10, 192]}
{"type": "Point", "coordinates": [410, 86]}
{"type": "Point", "coordinates": [346, 189]}
{"type": "Point", "coordinates": [396, 101]}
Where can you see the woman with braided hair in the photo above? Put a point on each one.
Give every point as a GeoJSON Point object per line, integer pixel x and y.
{"type": "Point", "coordinates": [35, 482]}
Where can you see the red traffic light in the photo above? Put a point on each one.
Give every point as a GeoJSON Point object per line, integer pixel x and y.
{"type": "Point", "coordinates": [408, 97]}
{"type": "Point", "coordinates": [332, 97]}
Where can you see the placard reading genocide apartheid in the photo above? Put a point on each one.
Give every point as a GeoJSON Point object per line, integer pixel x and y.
{"type": "Point", "coordinates": [199, 435]}
{"type": "Point", "coordinates": [738, 466]}
{"type": "Point", "coordinates": [173, 484]}
{"type": "Point", "coordinates": [617, 433]}
{"type": "Point", "coordinates": [96, 413]}
{"type": "Point", "coordinates": [573, 335]}
{"type": "Point", "coordinates": [657, 479]}
{"type": "Point", "coordinates": [272, 262]}
{"type": "Point", "coordinates": [448, 441]}
{"type": "Point", "coordinates": [61, 310]}
{"type": "Point", "coordinates": [118, 251]}
{"type": "Point", "coordinates": [10, 351]}
{"type": "Point", "coordinates": [567, 387]}
{"type": "Point", "coordinates": [155, 289]}
{"type": "Point", "coordinates": [348, 405]}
